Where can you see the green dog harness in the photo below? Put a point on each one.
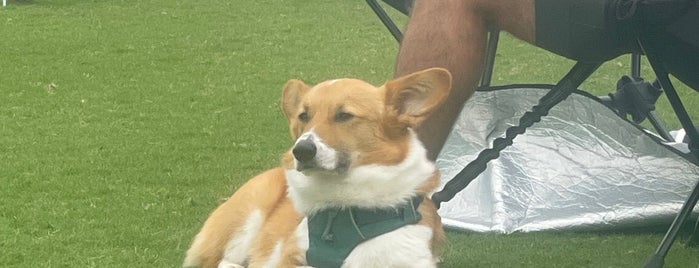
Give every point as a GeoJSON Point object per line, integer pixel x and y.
{"type": "Point", "coordinates": [334, 232]}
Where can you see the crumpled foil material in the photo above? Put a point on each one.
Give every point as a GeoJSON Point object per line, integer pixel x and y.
{"type": "Point", "coordinates": [581, 168]}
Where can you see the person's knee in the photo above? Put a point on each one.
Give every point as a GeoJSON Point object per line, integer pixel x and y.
{"type": "Point", "coordinates": [513, 16]}
{"type": "Point", "coordinates": [443, 7]}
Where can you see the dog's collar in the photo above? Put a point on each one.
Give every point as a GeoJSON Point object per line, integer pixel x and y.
{"type": "Point", "coordinates": [334, 232]}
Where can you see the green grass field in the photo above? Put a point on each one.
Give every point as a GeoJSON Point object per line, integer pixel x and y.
{"type": "Point", "coordinates": [124, 123]}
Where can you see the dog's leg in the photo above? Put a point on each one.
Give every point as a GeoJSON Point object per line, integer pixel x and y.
{"type": "Point", "coordinates": [229, 233]}
{"type": "Point", "coordinates": [238, 249]}
{"type": "Point", "coordinates": [277, 244]}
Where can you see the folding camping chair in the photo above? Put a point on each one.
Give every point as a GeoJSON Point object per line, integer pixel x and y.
{"type": "Point", "coordinates": [666, 54]}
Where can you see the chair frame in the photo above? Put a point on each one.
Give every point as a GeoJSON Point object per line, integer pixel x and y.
{"type": "Point", "coordinates": [569, 83]}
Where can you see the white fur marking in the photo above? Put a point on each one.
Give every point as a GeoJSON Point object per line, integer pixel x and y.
{"type": "Point", "coordinates": [408, 246]}
{"type": "Point", "coordinates": [238, 248]}
{"type": "Point", "coordinates": [302, 239]}
{"type": "Point", "coordinates": [275, 257]}
{"type": "Point", "coordinates": [224, 264]}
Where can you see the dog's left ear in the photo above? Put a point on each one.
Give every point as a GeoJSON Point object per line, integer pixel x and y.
{"type": "Point", "coordinates": [294, 90]}
{"type": "Point", "coordinates": [293, 93]}
{"type": "Point", "coordinates": [411, 98]}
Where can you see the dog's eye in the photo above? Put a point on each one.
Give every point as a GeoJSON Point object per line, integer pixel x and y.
{"type": "Point", "coordinates": [303, 117]}
{"type": "Point", "coordinates": [343, 117]}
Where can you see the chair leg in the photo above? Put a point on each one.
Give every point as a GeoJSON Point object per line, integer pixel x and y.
{"type": "Point", "coordinates": [491, 51]}
{"type": "Point", "coordinates": [658, 258]}
{"type": "Point", "coordinates": [693, 240]}
{"type": "Point", "coordinates": [386, 20]}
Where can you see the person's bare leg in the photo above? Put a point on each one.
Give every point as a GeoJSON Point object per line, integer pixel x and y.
{"type": "Point", "coordinates": [452, 34]}
{"type": "Point", "coordinates": [444, 33]}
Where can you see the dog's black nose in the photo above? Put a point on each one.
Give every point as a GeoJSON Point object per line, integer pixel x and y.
{"type": "Point", "coordinates": [304, 151]}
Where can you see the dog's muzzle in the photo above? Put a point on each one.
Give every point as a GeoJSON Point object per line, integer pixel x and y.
{"type": "Point", "coordinates": [311, 153]}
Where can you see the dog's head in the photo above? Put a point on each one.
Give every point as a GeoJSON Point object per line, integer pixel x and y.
{"type": "Point", "coordinates": [344, 123]}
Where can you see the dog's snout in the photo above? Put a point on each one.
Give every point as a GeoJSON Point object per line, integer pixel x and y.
{"type": "Point", "coordinates": [304, 151]}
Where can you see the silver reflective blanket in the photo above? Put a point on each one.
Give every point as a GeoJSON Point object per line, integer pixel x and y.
{"type": "Point", "coordinates": [580, 168]}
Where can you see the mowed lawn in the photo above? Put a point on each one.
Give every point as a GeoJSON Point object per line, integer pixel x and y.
{"type": "Point", "coordinates": [123, 124]}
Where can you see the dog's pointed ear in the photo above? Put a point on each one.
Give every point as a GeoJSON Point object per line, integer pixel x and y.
{"type": "Point", "coordinates": [411, 98]}
{"type": "Point", "coordinates": [294, 90]}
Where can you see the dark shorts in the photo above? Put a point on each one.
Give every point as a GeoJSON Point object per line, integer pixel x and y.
{"type": "Point", "coordinates": [599, 30]}
{"type": "Point", "coordinates": [581, 29]}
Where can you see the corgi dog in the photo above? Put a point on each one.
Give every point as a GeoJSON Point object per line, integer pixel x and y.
{"type": "Point", "coordinates": [353, 191]}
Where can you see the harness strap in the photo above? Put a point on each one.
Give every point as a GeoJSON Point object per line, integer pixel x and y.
{"type": "Point", "coordinates": [334, 232]}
